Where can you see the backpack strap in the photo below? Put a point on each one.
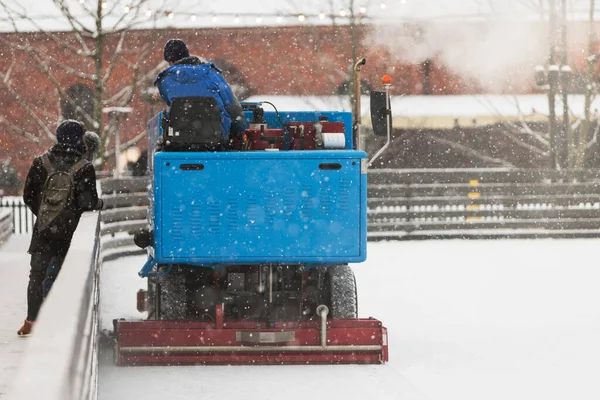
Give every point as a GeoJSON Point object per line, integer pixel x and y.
{"type": "Point", "coordinates": [77, 166]}
{"type": "Point", "coordinates": [47, 164]}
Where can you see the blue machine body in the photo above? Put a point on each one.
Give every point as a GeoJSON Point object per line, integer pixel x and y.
{"type": "Point", "coordinates": [255, 207]}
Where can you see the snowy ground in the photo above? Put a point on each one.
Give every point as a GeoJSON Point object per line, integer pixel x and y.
{"type": "Point", "coordinates": [467, 320]}
{"type": "Point", "coordinates": [14, 272]}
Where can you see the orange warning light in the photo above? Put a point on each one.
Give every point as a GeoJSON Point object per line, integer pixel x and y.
{"type": "Point", "coordinates": [386, 80]}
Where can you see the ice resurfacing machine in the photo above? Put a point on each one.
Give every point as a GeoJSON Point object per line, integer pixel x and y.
{"type": "Point", "coordinates": [248, 247]}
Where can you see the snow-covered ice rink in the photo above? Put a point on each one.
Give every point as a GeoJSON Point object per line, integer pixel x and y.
{"type": "Point", "coordinates": [467, 320]}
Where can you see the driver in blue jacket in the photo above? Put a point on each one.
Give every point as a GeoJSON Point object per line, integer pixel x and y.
{"type": "Point", "coordinates": [189, 76]}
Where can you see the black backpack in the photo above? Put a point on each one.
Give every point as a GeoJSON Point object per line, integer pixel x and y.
{"type": "Point", "coordinates": [56, 215]}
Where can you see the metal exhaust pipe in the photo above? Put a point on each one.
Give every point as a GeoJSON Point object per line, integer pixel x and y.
{"type": "Point", "coordinates": [322, 311]}
{"type": "Point", "coordinates": [357, 120]}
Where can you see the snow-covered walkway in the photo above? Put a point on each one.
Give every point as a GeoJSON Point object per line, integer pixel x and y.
{"type": "Point", "coordinates": [14, 272]}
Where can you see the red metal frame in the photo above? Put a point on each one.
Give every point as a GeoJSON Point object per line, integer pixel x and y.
{"type": "Point", "coordinates": [350, 341]}
{"type": "Point", "coordinates": [303, 135]}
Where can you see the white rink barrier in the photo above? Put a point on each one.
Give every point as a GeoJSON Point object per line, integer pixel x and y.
{"type": "Point", "coordinates": [481, 203]}
{"type": "Point", "coordinates": [5, 225]}
{"type": "Point", "coordinates": [60, 360]}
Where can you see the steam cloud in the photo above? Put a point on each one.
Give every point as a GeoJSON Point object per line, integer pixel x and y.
{"type": "Point", "coordinates": [500, 54]}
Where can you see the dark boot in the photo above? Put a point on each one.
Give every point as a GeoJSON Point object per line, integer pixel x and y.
{"type": "Point", "coordinates": [26, 328]}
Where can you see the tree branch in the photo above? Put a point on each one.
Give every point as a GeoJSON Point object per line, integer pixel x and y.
{"type": "Point", "coordinates": [75, 24]}
{"type": "Point", "coordinates": [133, 15]}
{"type": "Point", "coordinates": [46, 70]}
{"type": "Point", "coordinates": [466, 150]}
{"type": "Point", "coordinates": [526, 127]}
{"type": "Point", "coordinates": [69, 70]}
{"type": "Point", "coordinates": [505, 120]}
{"type": "Point", "coordinates": [22, 132]}
{"type": "Point", "coordinates": [23, 103]}
{"type": "Point", "coordinates": [55, 38]}
{"type": "Point", "coordinates": [10, 15]}
{"type": "Point", "coordinates": [594, 137]}
{"type": "Point", "coordinates": [136, 72]}
{"type": "Point", "coordinates": [113, 61]}
{"type": "Point", "coordinates": [126, 145]}
{"type": "Point", "coordinates": [520, 143]}
{"type": "Point", "coordinates": [119, 97]}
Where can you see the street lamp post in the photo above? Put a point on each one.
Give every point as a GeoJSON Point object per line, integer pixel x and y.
{"type": "Point", "coordinates": [554, 81]}
{"type": "Point", "coordinates": [116, 114]}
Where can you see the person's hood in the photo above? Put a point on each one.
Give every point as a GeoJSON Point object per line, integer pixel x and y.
{"type": "Point", "coordinates": [191, 60]}
{"type": "Point", "coordinates": [63, 154]}
{"type": "Point", "coordinates": [186, 73]}
{"type": "Point", "coordinates": [188, 70]}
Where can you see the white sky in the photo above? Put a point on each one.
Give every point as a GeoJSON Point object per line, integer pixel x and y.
{"type": "Point", "coordinates": [205, 13]}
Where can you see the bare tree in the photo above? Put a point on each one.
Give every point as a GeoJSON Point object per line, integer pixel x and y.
{"type": "Point", "coordinates": [91, 51]}
{"type": "Point", "coordinates": [586, 128]}
{"type": "Point", "coordinates": [571, 136]}
{"type": "Point", "coordinates": [340, 13]}
{"type": "Point", "coordinates": [572, 139]}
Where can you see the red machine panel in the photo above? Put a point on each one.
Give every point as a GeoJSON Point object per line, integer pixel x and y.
{"type": "Point", "coordinates": [261, 139]}
{"type": "Point", "coordinates": [303, 136]}
{"type": "Point", "coordinates": [308, 135]}
{"type": "Point", "coordinates": [347, 341]}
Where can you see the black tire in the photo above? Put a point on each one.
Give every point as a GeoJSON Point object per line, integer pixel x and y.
{"type": "Point", "coordinates": [341, 284]}
{"type": "Point", "coordinates": [171, 289]}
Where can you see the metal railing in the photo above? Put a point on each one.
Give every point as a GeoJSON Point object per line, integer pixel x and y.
{"type": "Point", "coordinates": [22, 217]}
{"type": "Point", "coordinates": [5, 225]}
{"type": "Point", "coordinates": [483, 203]}
{"type": "Point", "coordinates": [125, 202]}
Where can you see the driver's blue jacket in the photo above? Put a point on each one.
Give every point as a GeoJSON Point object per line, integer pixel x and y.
{"type": "Point", "coordinates": [192, 77]}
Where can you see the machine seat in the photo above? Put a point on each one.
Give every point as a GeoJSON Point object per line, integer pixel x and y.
{"type": "Point", "coordinates": [193, 124]}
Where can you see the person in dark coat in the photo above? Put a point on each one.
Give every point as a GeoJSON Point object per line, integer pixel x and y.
{"type": "Point", "coordinates": [189, 76]}
{"type": "Point", "coordinates": [48, 253]}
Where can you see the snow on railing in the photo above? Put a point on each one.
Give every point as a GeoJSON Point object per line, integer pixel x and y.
{"type": "Point", "coordinates": [60, 360]}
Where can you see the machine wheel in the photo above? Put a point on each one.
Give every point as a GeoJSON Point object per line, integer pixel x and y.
{"type": "Point", "coordinates": [172, 295]}
{"type": "Point", "coordinates": [340, 284]}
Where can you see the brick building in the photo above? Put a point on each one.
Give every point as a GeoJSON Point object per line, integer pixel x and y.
{"type": "Point", "coordinates": [299, 61]}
